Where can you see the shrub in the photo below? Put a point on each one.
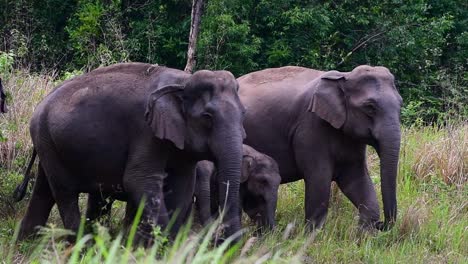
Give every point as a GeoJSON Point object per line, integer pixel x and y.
{"type": "Point", "coordinates": [6, 63]}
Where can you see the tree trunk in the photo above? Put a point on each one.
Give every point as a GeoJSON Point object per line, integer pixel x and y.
{"type": "Point", "coordinates": [197, 10]}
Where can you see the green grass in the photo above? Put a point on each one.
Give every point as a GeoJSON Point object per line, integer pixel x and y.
{"type": "Point", "coordinates": [432, 224]}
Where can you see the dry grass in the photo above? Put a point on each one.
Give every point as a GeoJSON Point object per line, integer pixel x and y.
{"type": "Point", "coordinates": [444, 155]}
{"type": "Point", "coordinates": [431, 152]}
{"type": "Point", "coordinates": [24, 92]}
{"type": "Point", "coordinates": [413, 218]}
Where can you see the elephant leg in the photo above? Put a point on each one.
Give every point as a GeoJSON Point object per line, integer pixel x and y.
{"type": "Point", "coordinates": [61, 184]}
{"type": "Point", "coordinates": [67, 204]}
{"type": "Point", "coordinates": [356, 184]}
{"type": "Point", "coordinates": [178, 193]}
{"type": "Point", "coordinates": [39, 206]}
{"type": "Point", "coordinates": [143, 181]}
{"type": "Point", "coordinates": [94, 206]}
{"type": "Point", "coordinates": [150, 190]}
{"type": "Point", "coordinates": [315, 162]}
{"type": "Point", "coordinates": [317, 197]}
{"type": "Point", "coordinates": [98, 206]}
{"type": "Point", "coordinates": [130, 213]}
{"type": "Point", "coordinates": [317, 182]}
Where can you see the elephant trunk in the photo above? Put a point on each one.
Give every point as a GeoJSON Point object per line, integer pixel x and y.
{"type": "Point", "coordinates": [203, 197]}
{"type": "Point", "coordinates": [272, 212]}
{"type": "Point", "coordinates": [228, 157]}
{"type": "Point", "coordinates": [269, 219]}
{"type": "Point", "coordinates": [388, 150]}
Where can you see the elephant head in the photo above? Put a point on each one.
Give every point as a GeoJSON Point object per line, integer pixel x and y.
{"type": "Point", "coordinates": [3, 108]}
{"type": "Point", "coordinates": [204, 117]}
{"type": "Point", "coordinates": [365, 105]}
{"type": "Point", "coordinates": [259, 191]}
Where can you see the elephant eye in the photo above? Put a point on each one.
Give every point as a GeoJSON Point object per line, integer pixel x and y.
{"type": "Point", "coordinates": [207, 115]}
{"type": "Point", "coordinates": [207, 118]}
{"type": "Point", "coordinates": [369, 108]}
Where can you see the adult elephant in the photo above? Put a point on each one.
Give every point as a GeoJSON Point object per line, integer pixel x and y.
{"type": "Point", "coordinates": [117, 130]}
{"type": "Point", "coordinates": [316, 125]}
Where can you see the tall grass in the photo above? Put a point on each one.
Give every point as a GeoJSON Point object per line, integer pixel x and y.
{"type": "Point", "coordinates": [432, 225]}
{"type": "Point", "coordinates": [24, 92]}
{"type": "Point", "coordinates": [441, 152]}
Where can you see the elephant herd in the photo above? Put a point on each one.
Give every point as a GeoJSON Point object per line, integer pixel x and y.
{"type": "Point", "coordinates": [149, 134]}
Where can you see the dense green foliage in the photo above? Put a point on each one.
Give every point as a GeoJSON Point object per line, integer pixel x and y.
{"type": "Point", "coordinates": [423, 42]}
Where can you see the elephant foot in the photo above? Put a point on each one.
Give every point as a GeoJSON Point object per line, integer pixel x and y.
{"type": "Point", "coordinates": [372, 227]}
{"type": "Point", "coordinates": [23, 235]}
{"type": "Point", "coordinates": [222, 237]}
{"type": "Point", "coordinates": [385, 226]}
{"type": "Point", "coordinates": [381, 226]}
{"type": "Point", "coordinates": [147, 233]}
{"type": "Point", "coordinates": [262, 230]}
{"type": "Point", "coordinates": [28, 231]}
{"type": "Point", "coordinates": [143, 238]}
{"type": "Point", "coordinates": [314, 226]}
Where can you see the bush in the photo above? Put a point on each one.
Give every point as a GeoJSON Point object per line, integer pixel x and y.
{"type": "Point", "coordinates": [6, 63]}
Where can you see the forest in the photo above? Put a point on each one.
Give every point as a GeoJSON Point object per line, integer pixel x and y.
{"type": "Point", "coordinates": [424, 43]}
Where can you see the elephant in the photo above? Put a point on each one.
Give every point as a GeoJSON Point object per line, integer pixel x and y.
{"type": "Point", "coordinates": [3, 108]}
{"type": "Point", "coordinates": [116, 129]}
{"type": "Point", "coordinates": [317, 126]}
{"type": "Point", "coordinates": [258, 195]}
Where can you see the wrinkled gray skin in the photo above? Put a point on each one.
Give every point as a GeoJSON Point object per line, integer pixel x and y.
{"type": "Point", "coordinates": [117, 130]}
{"type": "Point", "coordinates": [260, 180]}
{"type": "Point", "coordinates": [316, 125]}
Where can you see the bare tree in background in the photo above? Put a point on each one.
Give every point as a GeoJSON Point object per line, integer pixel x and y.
{"type": "Point", "coordinates": [197, 11]}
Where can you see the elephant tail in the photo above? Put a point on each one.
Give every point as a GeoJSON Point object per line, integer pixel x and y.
{"type": "Point", "coordinates": [20, 190]}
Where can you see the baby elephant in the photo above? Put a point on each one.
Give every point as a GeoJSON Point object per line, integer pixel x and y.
{"type": "Point", "coordinates": [258, 195]}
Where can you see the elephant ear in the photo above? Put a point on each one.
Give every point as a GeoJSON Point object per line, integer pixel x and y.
{"type": "Point", "coordinates": [164, 114]}
{"type": "Point", "coordinates": [328, 101]}
{"type": "Point", "coordinates": [248, 163]}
